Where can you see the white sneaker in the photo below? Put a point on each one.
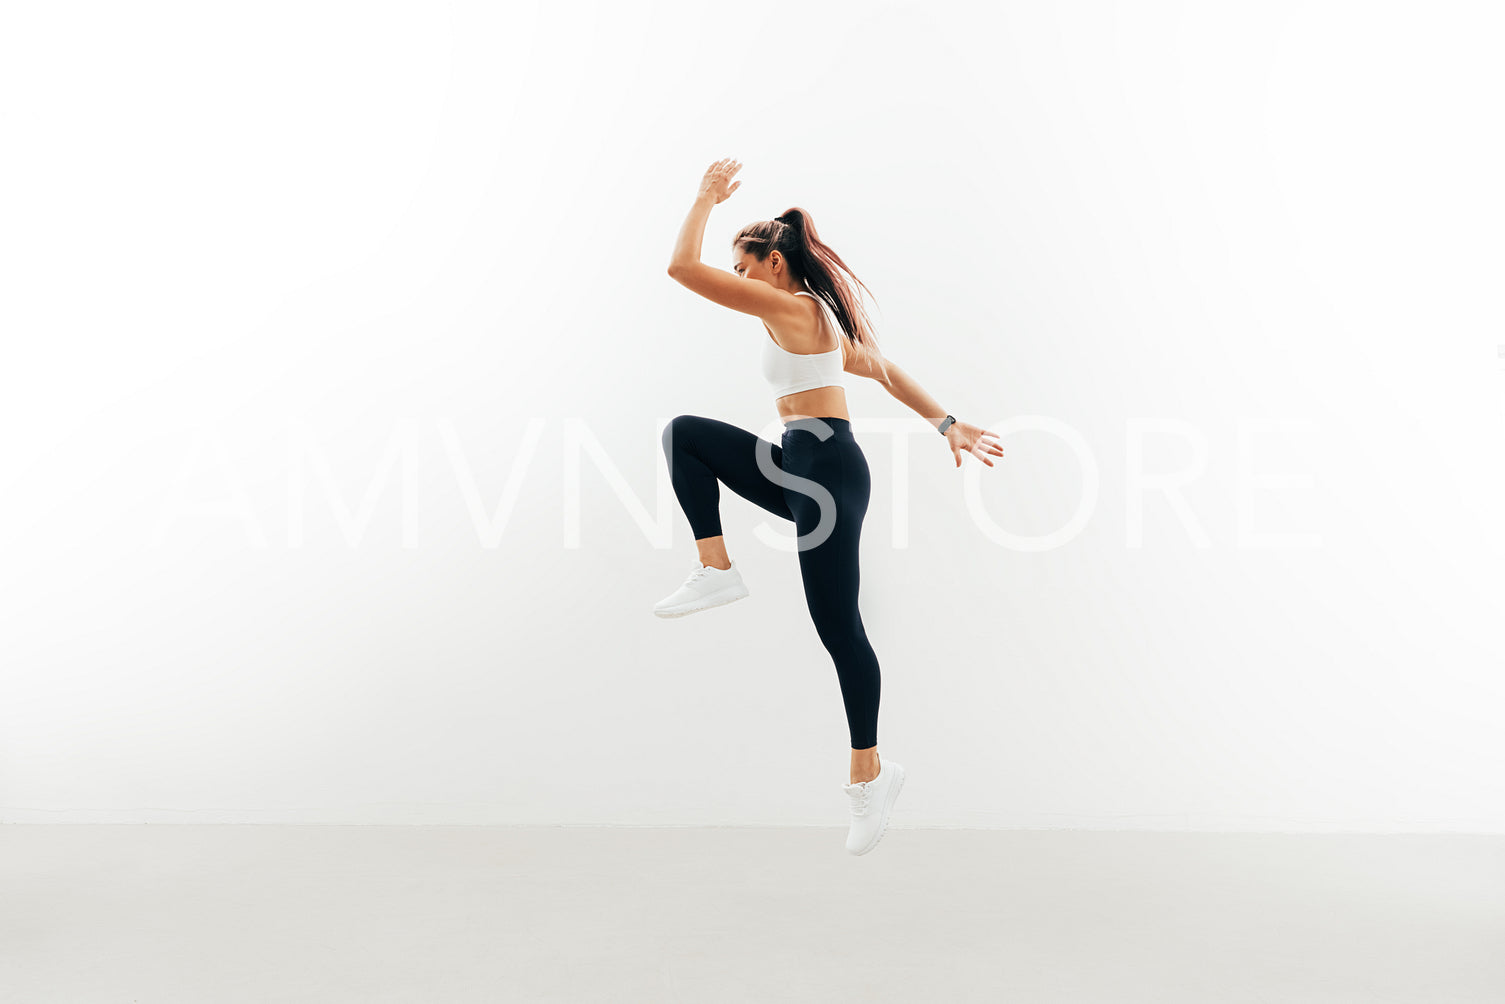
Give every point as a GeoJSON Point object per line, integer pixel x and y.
{"type": "Point", "coordinates": [706, 587]}
{"type": "Point", "coordinates": [871, 802]}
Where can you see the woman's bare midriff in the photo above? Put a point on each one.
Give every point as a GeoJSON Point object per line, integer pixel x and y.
{"type": "Point", "coordinates": [822, 402]}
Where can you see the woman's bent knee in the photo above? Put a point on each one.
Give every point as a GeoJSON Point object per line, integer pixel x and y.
{"type": "Point", "coordinates": [678, 426]}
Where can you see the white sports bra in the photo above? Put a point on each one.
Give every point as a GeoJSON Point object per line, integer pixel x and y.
{"type": "Point", "coordinates": [791, 372]}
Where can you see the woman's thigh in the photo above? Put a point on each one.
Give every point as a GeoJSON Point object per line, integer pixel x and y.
{"type": "Point", "coordinates": [731, 454]}
{"type": "Point", "coordinates": [829, 507]}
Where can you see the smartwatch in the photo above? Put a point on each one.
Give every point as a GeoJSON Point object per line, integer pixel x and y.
{"type": "Point", "coordinates": [945, 424]}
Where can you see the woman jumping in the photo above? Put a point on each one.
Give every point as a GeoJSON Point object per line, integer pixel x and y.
{"type": "Point", "coordinates": [817, 475]}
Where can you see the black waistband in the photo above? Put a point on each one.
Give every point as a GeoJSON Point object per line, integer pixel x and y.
{"type": "Point", "coordinates": [840, 428]}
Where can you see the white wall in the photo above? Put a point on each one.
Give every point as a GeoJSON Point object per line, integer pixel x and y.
{"type": "Point", "coordinates": [308, 307]}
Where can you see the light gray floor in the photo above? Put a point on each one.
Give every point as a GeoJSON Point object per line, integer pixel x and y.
{"type": "Point", "coordinates": [155, 914]}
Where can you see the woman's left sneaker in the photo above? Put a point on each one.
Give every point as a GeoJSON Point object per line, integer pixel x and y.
{"type": "Point", "coordinates": [706, 587]}
{"type": "Point", "coordinates": [871, 803]}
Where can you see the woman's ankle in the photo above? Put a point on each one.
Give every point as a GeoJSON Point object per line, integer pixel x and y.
{"type": "Point", "coordinates": [712, 553]}
{"type": "Point", "coordinates": [866, 765]}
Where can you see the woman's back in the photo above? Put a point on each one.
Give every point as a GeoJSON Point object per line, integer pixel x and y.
{"type": "Point", "coordinates": [807, 383]}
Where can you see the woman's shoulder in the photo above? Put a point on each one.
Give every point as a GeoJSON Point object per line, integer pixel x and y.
{"type": "Point", "coordinates": [816, 336]}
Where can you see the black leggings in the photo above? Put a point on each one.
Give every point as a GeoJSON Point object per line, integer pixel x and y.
{"type": "Point", "coordinates": [818, 466]}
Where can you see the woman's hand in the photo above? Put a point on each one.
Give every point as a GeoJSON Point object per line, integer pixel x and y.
{"type": "Point", "coordinates": [718, 183]}
{"type": "Point", "coordinates": [966, 437]}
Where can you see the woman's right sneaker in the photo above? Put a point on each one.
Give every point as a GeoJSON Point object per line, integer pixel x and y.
{"type": "Point", "coordinates": [872, 801]}
{"type": "Point", "coordinates": [705, 588]}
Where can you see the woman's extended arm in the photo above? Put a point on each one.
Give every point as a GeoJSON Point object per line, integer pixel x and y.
{"type": "Point", "coordinates": [961, 436]}
{"type": "Point", "coordinates": [903, 387]}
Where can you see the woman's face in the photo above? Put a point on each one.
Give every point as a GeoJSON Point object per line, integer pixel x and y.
{"type": "Point", "coordinates": [748, 267]}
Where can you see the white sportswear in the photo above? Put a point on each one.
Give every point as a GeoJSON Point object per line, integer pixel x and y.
{"type": "Point", "coordinates": [791, 372]}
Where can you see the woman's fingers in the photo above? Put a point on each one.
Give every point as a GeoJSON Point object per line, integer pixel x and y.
{"type": "Point", "coordinates": [983, 456]}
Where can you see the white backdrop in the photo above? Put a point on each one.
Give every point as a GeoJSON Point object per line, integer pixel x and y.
{"type": "Point", "coordinates": [338, 342]}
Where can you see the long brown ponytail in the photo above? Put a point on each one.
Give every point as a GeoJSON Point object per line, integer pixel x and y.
{"type": "Point", "coordinates": [814, 264]}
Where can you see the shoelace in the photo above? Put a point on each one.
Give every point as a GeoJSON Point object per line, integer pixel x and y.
{"type": "Point", "coordinates": [703, 570]}
{"type": "Point", "coordinates": [859, 800]}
